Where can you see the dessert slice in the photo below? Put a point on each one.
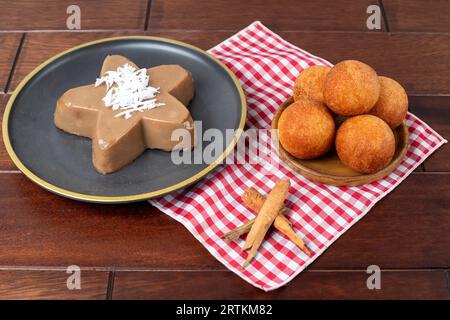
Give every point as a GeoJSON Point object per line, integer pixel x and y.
{"type": "Point", "coordinates": [120, 133]}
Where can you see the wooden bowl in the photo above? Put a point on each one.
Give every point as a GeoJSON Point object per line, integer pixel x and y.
{"type": "Point", "coordinates": [329, 169]}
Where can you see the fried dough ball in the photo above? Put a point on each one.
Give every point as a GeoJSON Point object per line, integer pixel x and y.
{"type": "Point", "coordinates": [365, 143]}
{"type": "Point", "coordinates": [309, 84]}
{"type": "Point", "coordinates": [392, 105]}
{"type": "Point", "coordinates": [306, 129]}
{"type": "Point", "coordinates": [351, 88]}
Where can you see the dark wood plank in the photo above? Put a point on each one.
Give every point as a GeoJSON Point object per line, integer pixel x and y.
{"type": "Point", "coordinates": [420, 71]}
{"type": "Point", "coordinates": [42, 229]}
{"type": "Point", "coordinates": [51, 14]}
{"type": "Point", "coordinates": [38, 47]}
{"type": "Point", "coordinates": [417, 15]}
{"type": "Point", "coordinates": [448, 282]}
{"type": "Point", "coordinates": [407, 229]}
{"type": "Point", "coordinates": [308, 285]}
{"type": "Point", "coordinates": [36, 284]}
{"type": "Point", "coordinates": [24, 200]}
{"type": "Point", "coordinates": [8, 49]}
{"type": "Point", "coordinates": [5, 160]}
{"type": "Point", "coordinates": [410, 58]}
{"type": "Point", "coordinates": [436, 112]}
{"type": "Point", "coordinates": [279, 15]}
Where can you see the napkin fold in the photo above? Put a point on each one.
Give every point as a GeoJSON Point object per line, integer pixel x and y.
{"type": "Point", "coordinates": [266, 66]}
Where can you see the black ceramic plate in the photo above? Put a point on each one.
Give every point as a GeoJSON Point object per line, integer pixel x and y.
{"type": "Point", "coordinates": [62, 162]}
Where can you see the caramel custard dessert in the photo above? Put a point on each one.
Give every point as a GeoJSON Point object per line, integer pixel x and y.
{"type": "Point", "coordinates": [129, 110]}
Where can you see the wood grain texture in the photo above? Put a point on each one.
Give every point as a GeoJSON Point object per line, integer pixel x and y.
{"type": "Point", "coordinates": [411, 59]}
{"type": "Point", "coordinates": [436, 112]}
{"type": "Point", "coordinates": [448, 282]}
{"type": "Point", "coordinates": [38, 47]}
{"type": "Point", "coordinates": [36, 284]}
{"type": "Point", "coordinates": [42, 229]}
{"type": "Point", "coordinates": [8, 49]}
{"type": "Point", "coordinates": [52, 14]}
{"type": "Point", "coordinates": [276, 14]}
{"type": "Point", "coordinates": [5, 160]}
{"type": "Point", "coordinates": [308, 285]}
{"type": "Point", "coordinates": [407, 229]}
{"type": "Point", "coordinates": [418, 15]}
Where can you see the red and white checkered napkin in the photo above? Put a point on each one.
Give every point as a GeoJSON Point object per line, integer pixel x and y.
{"type": "Point", "coordinates": [267, 66]}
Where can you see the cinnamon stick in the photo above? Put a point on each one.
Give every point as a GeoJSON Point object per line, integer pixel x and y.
{"type": "Point", "coordinates": [253, 200]}
{"type": "Point", "coordinates": [265, 218]}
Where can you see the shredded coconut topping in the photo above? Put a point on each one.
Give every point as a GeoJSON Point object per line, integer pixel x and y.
{"type": "Point", "coordinates": [128, 91]}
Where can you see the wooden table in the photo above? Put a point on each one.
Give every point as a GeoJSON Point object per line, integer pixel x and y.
{"type": "Point", "coordinates": [135, 251]}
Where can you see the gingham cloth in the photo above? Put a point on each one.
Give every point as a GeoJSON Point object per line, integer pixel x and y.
{"type": "Point", "coordinates": [267, 66]}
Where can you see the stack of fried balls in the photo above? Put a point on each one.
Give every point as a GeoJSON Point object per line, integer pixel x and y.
{"type": "Point", "coordinates": [371, 105]}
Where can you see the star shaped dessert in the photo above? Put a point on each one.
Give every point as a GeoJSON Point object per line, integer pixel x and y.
{"type": "Point", "coordinates": [128, 110]}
